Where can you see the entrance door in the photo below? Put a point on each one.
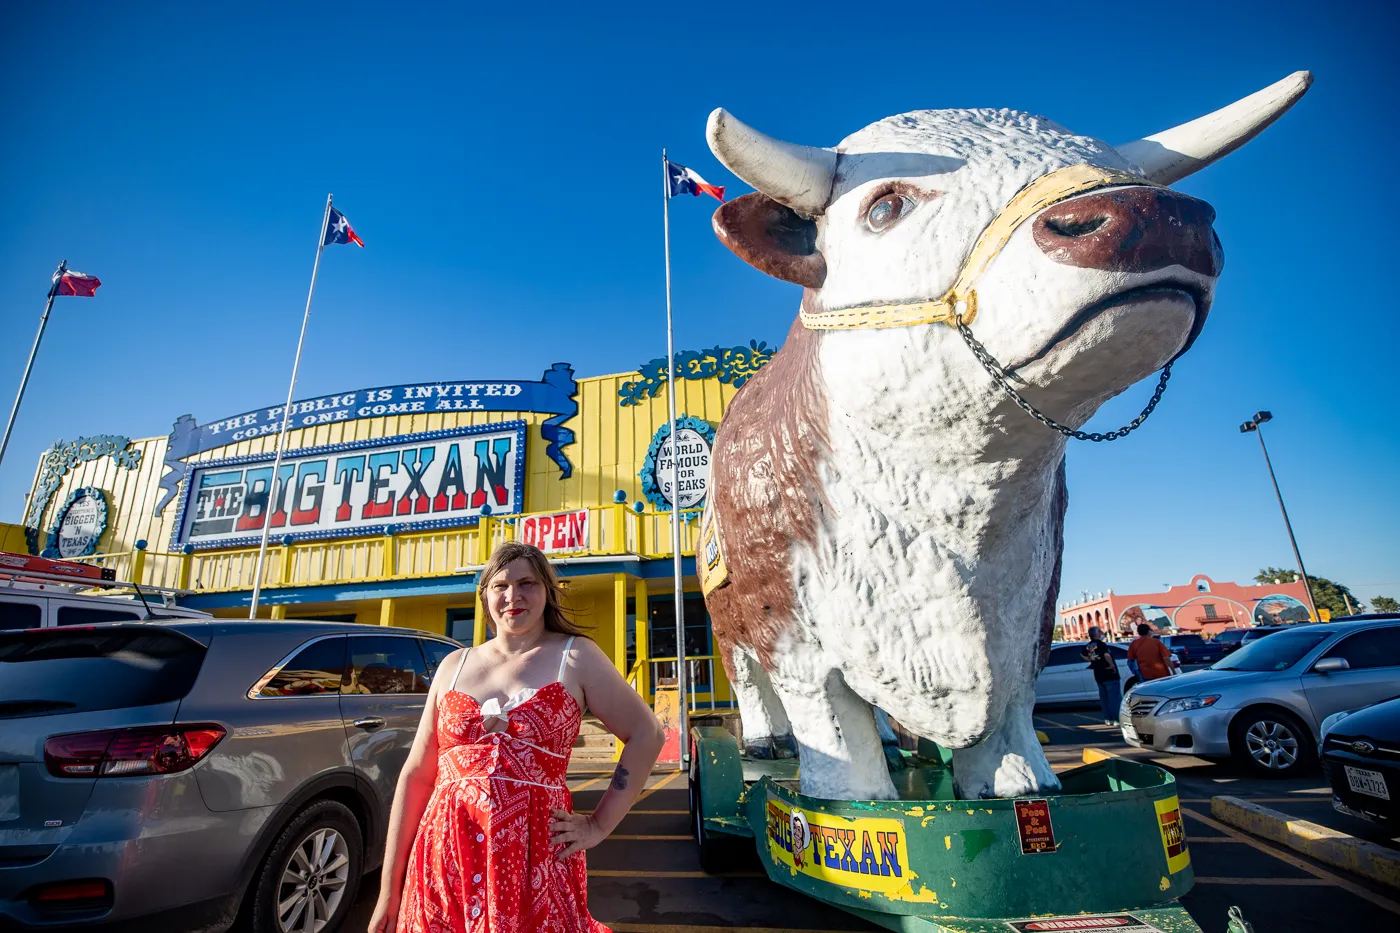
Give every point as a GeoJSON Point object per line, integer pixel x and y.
{"type": "Point", "coordinates": [697, 641]}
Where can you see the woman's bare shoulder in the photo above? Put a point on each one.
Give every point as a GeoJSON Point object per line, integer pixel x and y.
{"type": "Point", "coordinates": [585, 655]}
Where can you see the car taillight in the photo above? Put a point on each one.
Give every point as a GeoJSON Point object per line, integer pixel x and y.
{"type": "Point", "coordinates": [126, 752]}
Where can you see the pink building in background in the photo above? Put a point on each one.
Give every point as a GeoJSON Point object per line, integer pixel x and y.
{"type": "Point", "coordinates": [1203, 605]}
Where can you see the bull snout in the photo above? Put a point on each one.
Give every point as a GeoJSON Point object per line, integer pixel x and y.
{"type": "Point", "coordinates": [1137, 229]}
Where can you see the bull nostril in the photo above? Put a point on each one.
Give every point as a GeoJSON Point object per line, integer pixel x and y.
{"type": "Point", "coordinates": [1075, 227]}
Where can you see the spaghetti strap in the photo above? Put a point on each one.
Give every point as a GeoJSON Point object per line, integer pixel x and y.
{"type": "Point", "coordinates": [564, 661]}
{"type": "Point", "coordinates": [458, 675]}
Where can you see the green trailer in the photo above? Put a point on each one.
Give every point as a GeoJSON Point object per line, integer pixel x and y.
{"type": "Point", "coordinates": [1108, 852]}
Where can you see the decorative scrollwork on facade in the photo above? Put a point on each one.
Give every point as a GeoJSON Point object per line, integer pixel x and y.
{"type": "Point", "coordinates": [731, 365]}
{"type": "Point", "coordinates": [60, 459]}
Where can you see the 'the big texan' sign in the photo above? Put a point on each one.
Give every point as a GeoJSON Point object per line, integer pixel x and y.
{"type": "Point", "coordinates": [431, 480]}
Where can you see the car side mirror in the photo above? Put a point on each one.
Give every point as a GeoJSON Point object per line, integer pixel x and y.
{"type": "Point", "coordinates": [1331, 666]}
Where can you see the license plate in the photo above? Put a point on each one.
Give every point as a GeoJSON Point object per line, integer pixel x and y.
{"type": "Point", "coordinates": [1370, 783]}
{"type": "Point", "coordinates": [9, 792]}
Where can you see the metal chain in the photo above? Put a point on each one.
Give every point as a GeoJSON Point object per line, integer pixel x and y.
{"type": "Point", "coordinates": [999, 376]}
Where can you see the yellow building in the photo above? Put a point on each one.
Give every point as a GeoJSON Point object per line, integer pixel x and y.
{"type": "Point", "coordinates": [389, 500]}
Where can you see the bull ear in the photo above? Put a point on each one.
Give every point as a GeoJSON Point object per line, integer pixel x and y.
{"type": "Point", "coordinates": [773, 238]}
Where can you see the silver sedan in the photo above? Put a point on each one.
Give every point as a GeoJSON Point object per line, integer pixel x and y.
{"type": "Point", "coordinates": [1263, 704]}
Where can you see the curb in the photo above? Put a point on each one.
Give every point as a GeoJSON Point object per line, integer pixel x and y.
{"type": "Point", "coordinates": [1326, 845]}
{"type": "Point", "coordinates": [1091, 755]}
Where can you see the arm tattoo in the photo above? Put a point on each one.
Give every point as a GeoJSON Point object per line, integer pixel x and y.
{"type": "Point", "coordinates": [619, 778]}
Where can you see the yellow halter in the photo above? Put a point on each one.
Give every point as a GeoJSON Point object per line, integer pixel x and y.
{"type": "Point", "coordinates": [959, 304]}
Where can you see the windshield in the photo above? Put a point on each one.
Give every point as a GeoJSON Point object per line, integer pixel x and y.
{"type": "Point", "coordinates": [1277, 653]}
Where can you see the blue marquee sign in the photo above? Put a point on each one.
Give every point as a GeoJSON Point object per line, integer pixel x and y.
{"type": "Point", "coordinates": [553, 394]}
{"type": "Point", "coordinates": [437, 479]}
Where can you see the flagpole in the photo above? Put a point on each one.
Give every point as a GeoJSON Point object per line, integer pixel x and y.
{"type": "Point", "coordinates": [33, 352]}
{"type": "Point", "coordinates": [272, 491]}
{"type": "Point", "coordinates": [682, 696]}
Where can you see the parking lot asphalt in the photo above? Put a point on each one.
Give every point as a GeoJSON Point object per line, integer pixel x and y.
{"type": "Point", "coordinates": [647, 877]}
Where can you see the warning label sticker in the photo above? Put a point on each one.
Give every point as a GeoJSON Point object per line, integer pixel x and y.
{"type": "Point", "coordinates": [1118, 923]}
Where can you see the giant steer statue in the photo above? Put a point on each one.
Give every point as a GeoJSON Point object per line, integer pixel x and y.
{"type": "Point", "coordinates": [885, 522]}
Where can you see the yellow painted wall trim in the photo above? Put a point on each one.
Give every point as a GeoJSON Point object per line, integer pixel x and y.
{"type": "Point", "coordinates": [620, 622]}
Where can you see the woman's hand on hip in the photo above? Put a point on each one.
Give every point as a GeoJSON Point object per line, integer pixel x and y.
{"type": "Point", "coordinates": [575, 831]}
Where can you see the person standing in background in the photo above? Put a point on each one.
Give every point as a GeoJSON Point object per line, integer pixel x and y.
{"type": "Point", "coordinates": [1105, 669]}
{"type": "Point", "coordinates": [1153, 658]}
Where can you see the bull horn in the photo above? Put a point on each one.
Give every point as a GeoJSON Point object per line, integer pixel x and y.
{"type": "Point", "coordinates": [799, 176]}
{"type": "Point", "coordinates": [1173, 154]}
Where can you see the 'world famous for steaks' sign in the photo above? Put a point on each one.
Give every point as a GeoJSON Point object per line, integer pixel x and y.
{"type": "Point", "coordinates": [432, 480]}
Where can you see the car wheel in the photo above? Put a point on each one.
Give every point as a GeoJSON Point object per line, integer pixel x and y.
{"type": "Point", "coordinates": [308, 882]}
{"type": "Point", "coordinates": [1271, 743]}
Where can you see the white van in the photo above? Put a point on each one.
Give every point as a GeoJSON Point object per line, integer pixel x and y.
{"type": "Point", "coordinates": [44, 605]}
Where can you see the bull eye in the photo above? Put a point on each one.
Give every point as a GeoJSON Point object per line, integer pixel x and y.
{"type": "Point", "coordinates": [885, 212]}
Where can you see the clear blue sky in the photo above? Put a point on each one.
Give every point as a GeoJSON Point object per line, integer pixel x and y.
{"type": "Point", "coordinates": [503, 170]}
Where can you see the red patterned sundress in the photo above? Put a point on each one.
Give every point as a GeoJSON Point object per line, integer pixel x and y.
{"type": "Point", "coordinates": [482, 862]}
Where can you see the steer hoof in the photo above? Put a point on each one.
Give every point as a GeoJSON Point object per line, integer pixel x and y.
{"type": "Point", "coordinates": [771, 747]}
{"type": "Point", "coordinates": [760, 750]}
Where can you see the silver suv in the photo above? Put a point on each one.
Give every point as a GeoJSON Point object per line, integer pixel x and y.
{"type": "Point", "coordinates": [194, 773]}
{"type": "Point", "coordinates": [1263, 703]}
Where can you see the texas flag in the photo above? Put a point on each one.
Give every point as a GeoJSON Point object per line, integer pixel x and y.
{"type": "Point", "coordinates": [338, 230]}
{"type": "Point", "coordinates": [78, 284]}
{"type": "Point", "coordinates": [687, 181]}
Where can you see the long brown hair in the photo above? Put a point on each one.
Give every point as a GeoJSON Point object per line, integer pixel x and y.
{"type": "Point", "coordinates": [555, 618]}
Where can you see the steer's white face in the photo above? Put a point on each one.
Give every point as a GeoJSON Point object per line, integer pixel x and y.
{"type": "Point", "coordinates": [912, 194]}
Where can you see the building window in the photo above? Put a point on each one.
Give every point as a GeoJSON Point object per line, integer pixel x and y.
{"type": "Point", "coordinates": [461, 624]}
{"type": "Point", "coordinates": [1202, 586]}
{"type": "Point", "coordinates": [1210, 611]}
{"type": "Point", "coordinates": [662, 636]}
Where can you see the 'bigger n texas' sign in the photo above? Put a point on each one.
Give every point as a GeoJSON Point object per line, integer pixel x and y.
{"type": "Point", "coordinates": [431, 480]}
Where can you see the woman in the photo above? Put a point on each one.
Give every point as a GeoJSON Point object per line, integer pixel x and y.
{"type": "Point", "coordinates": [482, 834]}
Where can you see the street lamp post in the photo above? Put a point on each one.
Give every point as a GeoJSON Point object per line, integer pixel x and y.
{"type": "Point", "coordinates": [1260, 417]}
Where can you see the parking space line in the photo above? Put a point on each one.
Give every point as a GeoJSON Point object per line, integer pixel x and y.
{"type": "Point", "coordinates": [686, 928]}
{"type": "Point", "coordinates": [649, 812]}
{"type": "Point", "coordinates": [1056, 723]}
{"type": "Point", "coordinates": [660, 812]}
{"type": "Point", "coordinates": [585, 785]}
{"type": "Point", "coordinates": [1279, 882]}
{"type": "Point", "coordinates": [620, 873]}
{"type": "Point", "coordinates": [642, 796]}
{"type": "Point", "coordinates": [1262, 800]}
{"type": "Point", "coordinates": [622, 836]}
{"type": "Point", "coordinates": [658, 785]}
{"type": "Point", "coordinates": [1308, 867]}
